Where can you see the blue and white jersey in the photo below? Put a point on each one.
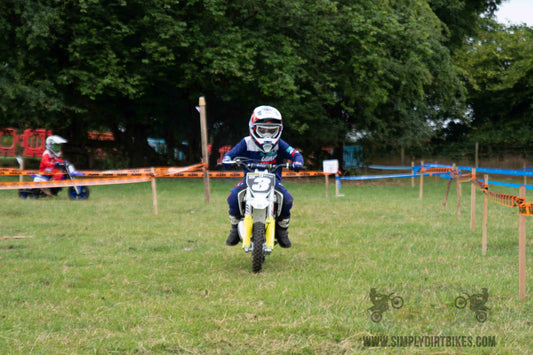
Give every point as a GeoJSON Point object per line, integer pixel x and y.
{"type": "Point", "coordinates": [280, 152]}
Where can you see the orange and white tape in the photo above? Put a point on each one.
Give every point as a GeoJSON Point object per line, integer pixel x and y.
{"type": "Point", "coordinates": [157, 172]}
{"type": "Point", "coordinates": [526, 209]}
{"type": "Point", "coordinates": [65, 183]}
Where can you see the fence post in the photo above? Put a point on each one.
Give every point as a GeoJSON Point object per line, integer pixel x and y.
{"type": "Point", "coordinates": [421, 179]}
{"type": "Point", "coordinates": [473, 201]}
{"type": "Point", "coordinates": [412, 173]}
{"type": "Point", "coordinates": [205, 155]}
{"type": "Point", "coordinates": [337, 182]}
{"type": "Point", "coordinates": [327, 184]}
{"type": "Point", "coordinates": [485, 218]}
{"type": "Point", "coordinates": [522, 251]}
{"type": "Point", "coordinates": [525, 169]}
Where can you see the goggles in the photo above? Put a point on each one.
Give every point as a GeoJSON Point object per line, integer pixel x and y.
{"type": "Point", "coordinates": [267, 131]}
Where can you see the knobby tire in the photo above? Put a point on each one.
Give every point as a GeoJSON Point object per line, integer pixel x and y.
{"type": "Point", "coordinates": [258, 255]}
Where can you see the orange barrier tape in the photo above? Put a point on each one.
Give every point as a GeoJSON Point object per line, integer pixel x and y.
{"type": "Point", "coordinates": [499, 198]}
{"type": "Point", "coordinates": [65, 183]}
{"type": "Point", "coordinates": [16, 171]}
{"type": "Point", "coordinates": [479, 185]}
{"type": "Point", "coordinates": [504, 199]}
{"type": "Point", "coordinates": [303, 173]}
{"type": "Point", "coordinates": [464, 177]}
{"type": "Point", "coordinates": [526, 209]}
{"type": "Point", "coordinates": [157, 172]}
{"type": "Point", "coordinates": [187, 171]}
{"type": "Point", "coordinates": [239, 174]}
{"type": "Point", "coordinates": [435, 170]}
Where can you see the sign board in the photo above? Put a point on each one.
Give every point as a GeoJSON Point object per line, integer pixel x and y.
{"type": "Point", "coordinates": [330, 166]}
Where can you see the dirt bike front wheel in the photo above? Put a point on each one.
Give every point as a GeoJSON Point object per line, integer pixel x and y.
{"type": "Point", "coordinates": [460, 302]}
{"type": "Point", "coordinates": [23, 194]}
{"type": "Point", "coordinates": [258, 253]}
{"type": "Point", "coordinates": [81, 194]}
{"type": "Point", "coordinates": [397, 302]}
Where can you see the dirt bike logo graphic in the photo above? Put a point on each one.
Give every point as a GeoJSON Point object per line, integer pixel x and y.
{"type": "Point", "coordinates": [477, 304]}
{"type": "Point", "coordinates": [381, 304]}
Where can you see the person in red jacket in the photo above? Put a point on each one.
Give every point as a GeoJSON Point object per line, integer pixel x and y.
{"type": "Point", "coordinates": [51, 162]}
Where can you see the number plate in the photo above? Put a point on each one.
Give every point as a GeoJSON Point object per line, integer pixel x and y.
{"type": "Point", "coordinates": [260, 183]}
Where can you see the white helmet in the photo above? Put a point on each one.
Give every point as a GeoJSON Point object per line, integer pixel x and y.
{"type": "Point", "coordinates": [266, 127]}
{"type": "Point", "coordinates": [53, 144]}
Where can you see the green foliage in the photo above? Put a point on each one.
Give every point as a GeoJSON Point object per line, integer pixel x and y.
{"type": "Point", "coordinates": [138, 67]}
{"type": "Point", "coordinates": [462, 17]}
{"type": "Point", "coordinates": [499, 63]}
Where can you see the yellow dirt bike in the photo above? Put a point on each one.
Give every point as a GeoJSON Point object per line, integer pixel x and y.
{"type": "Point", "coordinates": [260, 204]}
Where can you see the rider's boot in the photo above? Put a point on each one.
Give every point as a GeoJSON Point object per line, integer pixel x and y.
{"type": "Point", "coordinates": [233, 237]}
{"type": "Point", "coordinates": [282, 232]}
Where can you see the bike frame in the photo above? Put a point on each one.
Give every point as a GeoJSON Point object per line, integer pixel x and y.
{"type": "Point", "coordinates": [260, 198]}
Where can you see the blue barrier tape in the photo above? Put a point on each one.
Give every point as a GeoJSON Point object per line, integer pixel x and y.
{"type": "Point", "coordinates": [510, 184]}
{"type": "Point", "coordinates": [384, 167]}
{"type": "Point", "coordinates": [498, 171]}
{"type": "Point", "coordinates": [372, 177]}
{"type": "Point", "coordinates": [522, 172]}
{"type": "Point", "coordinates": [442, 175]}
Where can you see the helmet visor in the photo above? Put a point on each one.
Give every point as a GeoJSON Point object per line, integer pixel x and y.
{"type": "Point", "coordinates": [268, 130]}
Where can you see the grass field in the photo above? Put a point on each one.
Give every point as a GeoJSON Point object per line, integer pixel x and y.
{"type": "Point", "coordinates": [106, 275]}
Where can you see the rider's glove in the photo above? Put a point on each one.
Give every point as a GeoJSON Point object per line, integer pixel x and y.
{"type": "Point", "coordinates": [59, 165]}
{"type": "Point", "coordinates": [297, 166]}
{"type": "Point", "coordinates": [226, 162]}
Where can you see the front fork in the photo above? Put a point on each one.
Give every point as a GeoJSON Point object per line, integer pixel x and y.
{"type": "Point", "coordinates": [270, 226]}
{"type": "Point", "coordinates": [270, 230]}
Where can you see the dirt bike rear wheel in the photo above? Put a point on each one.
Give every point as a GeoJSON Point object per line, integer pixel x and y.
{"type": "Point", "coordinates": [258, 254]}
{"type": "Point", "coordinates": [481, 316]}
{"type": "Point", "coordinates": [375, 317]}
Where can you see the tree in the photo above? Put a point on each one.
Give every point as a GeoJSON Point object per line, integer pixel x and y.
{"type": "Point", "coordinates": [499, 65]}
{"type": "Point", "coordinates": [462, 18]}
{"type": "Point", "coordinates": [137, 68]}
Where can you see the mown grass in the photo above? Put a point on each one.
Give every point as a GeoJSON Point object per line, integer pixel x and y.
{"type": "Point", "coordinates": [106, 275]}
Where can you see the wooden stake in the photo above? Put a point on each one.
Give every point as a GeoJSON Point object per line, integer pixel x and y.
{"type": "Point", "coordinates": [154, 192]}
{"type": "Point", "coordinates": [485, 218]}
{"type": "Point", "coordinates": [412, 172]}
{"type": "Point", "coordinates": [336, 185]}
{"type": "Point", "coordinates": [327, 185]}
{"type": "Point", "coordinates": [21, 164]}
{"type": "Point", "coordinates": [522, 251]}
{"type": "Point", "coordinates": [473, 202]}
{"type": "Point", "coordinates": [525, 177]}
{"type": "Point", "coordinates": [205, 155]}
{"type": "Point", "coordinates": [421, 180]}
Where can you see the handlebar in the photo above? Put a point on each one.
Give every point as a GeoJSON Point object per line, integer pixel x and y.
{"type": "Point", "coordinates": [251, 165]}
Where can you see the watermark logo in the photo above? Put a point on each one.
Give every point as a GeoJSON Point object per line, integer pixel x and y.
{"type": "Point", "coordinates": [477, 304]}
{"type": "Point", "coordinates": [429, 341]}
{"type": "Point", "coordinates": [380, 303]}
